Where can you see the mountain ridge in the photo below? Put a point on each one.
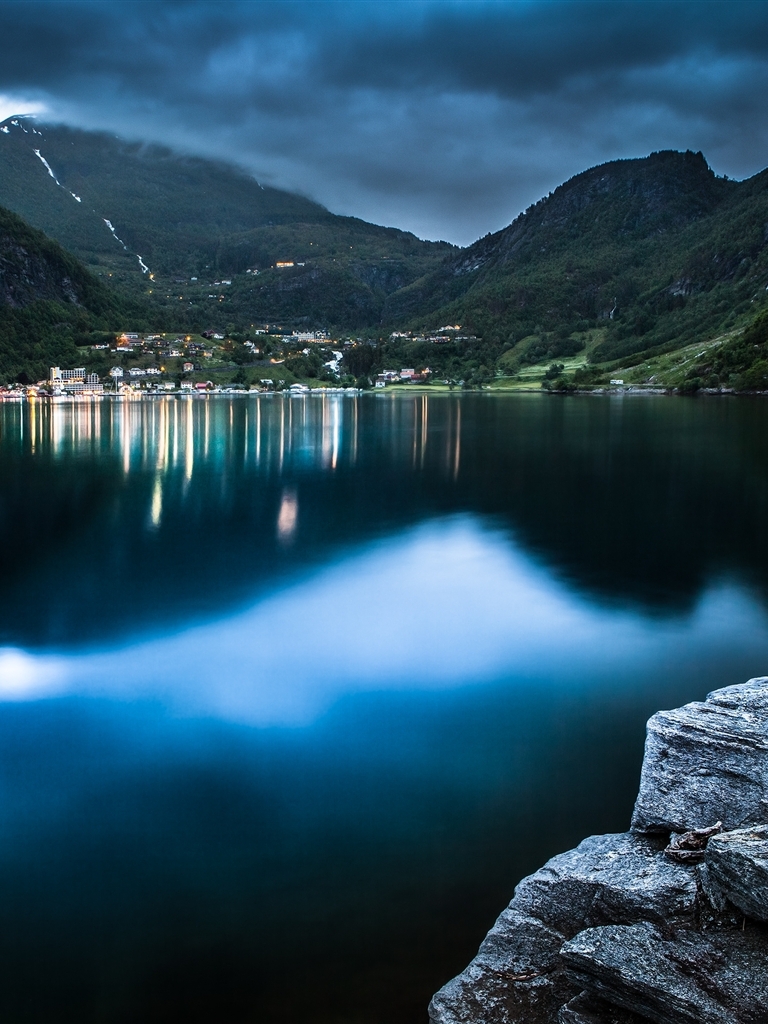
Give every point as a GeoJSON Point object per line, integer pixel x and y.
{"type": "Point", "coordinates": [123, 206]}
{"type": "Point", "coordinates": [622, 263]}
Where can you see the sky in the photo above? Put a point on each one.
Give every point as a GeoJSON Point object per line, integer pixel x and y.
{"type": "Point", "coordinates": [445, 118]}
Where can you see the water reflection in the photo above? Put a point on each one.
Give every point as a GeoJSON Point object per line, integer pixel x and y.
{"type": "Point", "coordinates": [449, 605]}
{"type": "Point", "coordinates": [264, 431]}
{"type": "Point", "coordinates": [294, 690]}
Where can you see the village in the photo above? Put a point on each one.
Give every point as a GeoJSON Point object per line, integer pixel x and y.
{"type": "Point", "coordinates": [147, 364]}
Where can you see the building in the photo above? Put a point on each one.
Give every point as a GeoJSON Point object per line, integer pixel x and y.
{"type": "Point", "coordinates": [188, 367]}
{"type": "Point", "coordinates": [77, 381]}
{"type": "Point", "coordinates": [117, 373]}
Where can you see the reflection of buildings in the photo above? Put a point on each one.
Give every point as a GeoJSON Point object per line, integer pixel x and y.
{"type": "Point", "coordinates": [271, 434]}
{"type": "Point", "coordinates": [287, 517]}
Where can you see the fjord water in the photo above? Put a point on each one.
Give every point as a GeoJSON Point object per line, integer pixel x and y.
{"type": "Point", "coordinates": [295, 689]}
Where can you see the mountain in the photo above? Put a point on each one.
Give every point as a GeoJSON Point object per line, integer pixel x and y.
{"type": "Point", "coordinates": [620, 265]}
{"type": "Point", "coordinates": [651, 254]}
{"type": "Point", "coordinates": [48, 302]}
{"type": "Point", "coordinates": [131, 210]}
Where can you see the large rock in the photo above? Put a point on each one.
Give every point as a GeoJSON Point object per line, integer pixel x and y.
{"type": "Point", "coordinates": [682, 977]}
{"type": "Point", "coordinates": [614, 879]}
{"type": "Point", "coordinates": [632, 928]}
{"type": "Point", "coordinates": [707, 762]}
{"type": "Point", "coordinates": [738, 863]}
{"type": "Point", "coordinates": [517, 974]}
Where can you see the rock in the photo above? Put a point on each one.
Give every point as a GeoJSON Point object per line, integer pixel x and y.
{"type": "Point", "coordinates": [685, 977]}
{"type": "Point", "coordinates": [631, 928]}
{"type": "Point", "coordinates": [707, 762]}
{"type": "Point", "coordinates": [517, 974]}
{"type": "Point", "coordinates": [616, 879]}
{"type": "Point", "coordinates": [587, 1009]}
{"type": "Point", "coordinates": [738, 863]}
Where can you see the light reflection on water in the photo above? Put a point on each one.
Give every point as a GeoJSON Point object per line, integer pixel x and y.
{"type": "Point", "coordinates": [449, 604]}
{"type": "Point", "coordinates": [294, 690]}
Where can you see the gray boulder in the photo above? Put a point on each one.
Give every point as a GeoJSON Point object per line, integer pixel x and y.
{"type": "Point", "coordinates": [738, 863]}
{"type": "Point", "coordinates": [517, 974]}
{"type": "Point", "coordinates": [682, 977]}
{"type": "Point", "coordinates": [612, 879]}
{"type": "Point", "coordinates": [707, 762]}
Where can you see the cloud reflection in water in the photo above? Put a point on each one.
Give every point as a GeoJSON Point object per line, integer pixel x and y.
{"type": "Point", "coordinates": [448, 604]}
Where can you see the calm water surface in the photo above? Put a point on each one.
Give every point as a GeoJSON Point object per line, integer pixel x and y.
{"type": "Point", "coordinates": [294, 690]}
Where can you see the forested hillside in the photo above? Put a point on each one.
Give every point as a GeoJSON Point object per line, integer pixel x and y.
{"type": "Point", "coordinates": [48, 302]}
{"type": "Point", "coordinates": [654, 252]}
{"type": "Point", "coordinates": [122, 207]}
{"type": "Point", "coordinates": [618, 267]}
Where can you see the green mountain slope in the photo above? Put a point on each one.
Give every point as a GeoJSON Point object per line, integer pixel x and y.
{"type": "Point", "coordinates": [655, 252]}
{"type": "Point", "coordinates": [186, 218]}
{"type": "Point", "coordinates": [48, 302]}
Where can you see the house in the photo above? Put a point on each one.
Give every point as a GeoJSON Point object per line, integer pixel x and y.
{"type": "Point", "coordinates": [136, 371]}
{"type": "Point", "coordinates": [116, 373]}
{"type": "Point", "coordinates": [187, 385]}
{"type": "Point", "coordinates": [407, 374]}
{"type": "Point", "coordinates": [188, 367]}
{"type": "Point", "coordinates": [152, 371]}
{"type": "Point", "coordinates": [284, 263]}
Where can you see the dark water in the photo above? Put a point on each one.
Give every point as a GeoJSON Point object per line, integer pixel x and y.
{"type": "Point", "coordinates": [295, 690]}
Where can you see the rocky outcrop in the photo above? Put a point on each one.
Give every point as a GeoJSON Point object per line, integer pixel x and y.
{"type": "Point", "coordinates": [682, 977]}
{"type": "Point", "coordinates": [707, 762]}
{"type": "Point", "coordinates": [664, 923]}
{"type": "Point", "coordinates": [738, 864]}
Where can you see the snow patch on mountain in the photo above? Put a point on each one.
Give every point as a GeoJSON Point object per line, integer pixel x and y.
{"type": "Point", "coordinates": [142, 264]}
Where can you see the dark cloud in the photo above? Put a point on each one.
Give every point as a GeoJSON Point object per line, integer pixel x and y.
{"type": "Point", "coordinates": [446, 118]}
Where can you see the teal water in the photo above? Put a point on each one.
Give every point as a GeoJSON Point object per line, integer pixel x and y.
{"type": "Point", "coordinates": [294, 690]}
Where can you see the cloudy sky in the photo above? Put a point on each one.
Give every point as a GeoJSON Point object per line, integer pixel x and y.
{"type": "Point", "coordinates": [446, 118]}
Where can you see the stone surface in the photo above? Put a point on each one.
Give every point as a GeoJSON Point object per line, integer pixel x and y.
{"type": "Point", "coordinates": [738, 863]}
{"type": "Point", "coordinates": [707, 762]}
{"type": "Point", "coordinates": [613, 879]}
{"type": "Point", "coordinates": [588, 1009]}
{"type": "Point", "coordinates": [517, 974]}
{"type": "Point", "coordinates": [684, 977]}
